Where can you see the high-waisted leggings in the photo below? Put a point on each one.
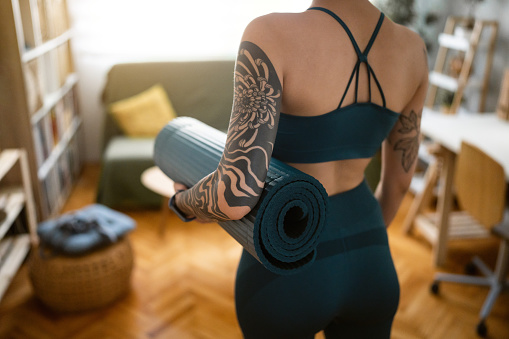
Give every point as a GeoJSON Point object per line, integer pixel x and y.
{"type": "Point", "coordinates": [350, 291]}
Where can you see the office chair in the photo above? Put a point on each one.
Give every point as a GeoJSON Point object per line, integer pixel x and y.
{"type": "Point", "coordinates": [481, 191]}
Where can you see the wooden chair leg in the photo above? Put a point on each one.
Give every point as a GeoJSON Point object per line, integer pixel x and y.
{"type": "Point", "coordinates": [422, 199]}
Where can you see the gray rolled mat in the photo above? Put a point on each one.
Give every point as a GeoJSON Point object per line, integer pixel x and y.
{"type": "Point", "coordinates": [282, 230]}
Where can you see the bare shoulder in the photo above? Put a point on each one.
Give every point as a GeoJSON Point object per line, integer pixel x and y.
{"type": "Point", "coordinates": [272, 22]}
{"type": "Point", "coordinates": [270, 33]}
{"type": "Point", "coordinates": [271, 29]}
{"type": "Point", "coordinates": [410, 50]}
{"type": "Point", "coordinates": [410, 42]}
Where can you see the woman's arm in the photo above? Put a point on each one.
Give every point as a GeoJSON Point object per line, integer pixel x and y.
{"type": "Point", "coordinates": [399, 151]}
{"type": "Point", "coordinates": [234, 188]}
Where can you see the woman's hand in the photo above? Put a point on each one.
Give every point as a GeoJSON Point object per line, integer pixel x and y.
{"type": "Point", "coordinates": [181, 187]}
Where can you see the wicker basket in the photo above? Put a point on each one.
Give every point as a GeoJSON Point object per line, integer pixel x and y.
{"type": "Point", "coordinates": [85, 282]}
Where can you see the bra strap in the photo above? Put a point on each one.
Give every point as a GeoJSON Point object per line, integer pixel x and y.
{"type": "Point", "coordinates": [362, 56]}
{"type": "Point", "coordinates": [345, 27]}
{"type": "Point", "coordinates": [374, 35]}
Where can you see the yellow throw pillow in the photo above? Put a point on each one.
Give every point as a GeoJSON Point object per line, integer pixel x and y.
{"type": "Point", "coordinates": [144, 114]}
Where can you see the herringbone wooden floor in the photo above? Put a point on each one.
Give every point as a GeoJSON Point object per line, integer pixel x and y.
{"type": "Point", "coordinates": [182, 287]}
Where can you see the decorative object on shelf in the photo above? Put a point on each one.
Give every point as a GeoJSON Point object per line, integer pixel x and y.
{"type": "Point", "coordinates": [503, 99]}
{"type": "Point", "coordinates": [82, 283]}
{"type": "Point", "coordinates": [445, 98]}
{"type": "Point", "coordinates": [456, 65]}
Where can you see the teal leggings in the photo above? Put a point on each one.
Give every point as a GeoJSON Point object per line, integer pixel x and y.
{"type": "Point", "coordinates": [350, 291]}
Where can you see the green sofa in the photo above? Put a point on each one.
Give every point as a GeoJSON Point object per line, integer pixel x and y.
{"type": "Point", "coordinates": [200, 89]}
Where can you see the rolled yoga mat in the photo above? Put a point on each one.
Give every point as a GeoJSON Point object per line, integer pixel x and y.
{"type": "Point", "coordinates": [282, 230]}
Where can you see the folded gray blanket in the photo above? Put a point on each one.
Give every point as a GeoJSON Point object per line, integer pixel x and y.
{"type": "Point", "coordinates": [282, 230]}
{"type": "Point", "coordinates": [82, 231]}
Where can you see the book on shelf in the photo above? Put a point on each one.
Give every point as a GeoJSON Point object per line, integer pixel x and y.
{"type": "Point", "coordinates": [27, 23]}
{"type": "Point", "coordinates": [46, 196]}
{"type": "Point", "coordinates": [43, 140]}
{"type": "Point", "coordinates": [53, 18]}
{"type": "Point", "coordinates": [43, 26]}
{"type": "Point", "coordinates": [74, 157]}
{"type": "Point", "coordinates": [33, 86]}
{"type": "Point", "coordinates": [64, 62]}
{"type": "Point", "coordinates": [68, 110]}
{"type": "Point", "coordinates": [64, 173]}
{"type": "Point", "coordinates": [52, 188]}
{"type": "Point", "coordinates": [54, 127]}
{"type": "Point", "coordinates": [39, 147]}
{"type": "Point", "coordinates": [62, 123]}
{"type": "Point", "coordinates": [51, 77]}
{"type": "Point", "coordinates": [48, 133]}
{"type": "Point", "coordinates": [58, 16]}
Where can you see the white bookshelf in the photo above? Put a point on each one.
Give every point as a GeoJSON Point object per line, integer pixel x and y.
{"type": "Point", "coordinates": [16, 196]}
{"type": "Point", "coordinates": [41, 107]}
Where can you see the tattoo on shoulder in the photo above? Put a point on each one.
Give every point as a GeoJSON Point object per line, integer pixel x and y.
{"type": "Point", "coordinates": [251, 135]}
{"type": "Point", "coordinates": [408, 144]}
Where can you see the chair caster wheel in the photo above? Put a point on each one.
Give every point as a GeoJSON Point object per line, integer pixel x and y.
{"type": "Point", "coordinates": [434, 287]}
{"type": "Point", "coordinates": [470, 268]}
{"type": "Point", "coordinates": [482, 330]}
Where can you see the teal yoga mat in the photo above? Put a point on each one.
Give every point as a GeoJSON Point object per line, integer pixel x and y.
{"type": "Point", "coordinates": [282, 230]}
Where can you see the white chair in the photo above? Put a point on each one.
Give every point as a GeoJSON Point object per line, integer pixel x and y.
{"type": "Point", "coordinates": [481, 191]}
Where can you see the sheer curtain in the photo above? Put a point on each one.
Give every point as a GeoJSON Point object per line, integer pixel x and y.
{"type": "Point", "coordinates": [106, 32]}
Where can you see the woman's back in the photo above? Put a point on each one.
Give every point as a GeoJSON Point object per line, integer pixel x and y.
{"type": "Point", "coordinates": [315, 58]}
{"type": "Point", "coordinates": [294, 100]}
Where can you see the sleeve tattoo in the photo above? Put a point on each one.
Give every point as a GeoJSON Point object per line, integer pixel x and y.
{"type": "Point", "coordinates": [408, 143]}
{"type": "Point", "coordinates": [241, 173]}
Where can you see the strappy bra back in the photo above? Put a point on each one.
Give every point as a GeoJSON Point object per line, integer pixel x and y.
{"type": "Point", "coordinates": [351, 132]}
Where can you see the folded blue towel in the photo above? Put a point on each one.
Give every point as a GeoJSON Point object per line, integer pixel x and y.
{"type": "Point", "coordinates": [84, 230]}
{"type": "Point", "coordinates": [282, 230]}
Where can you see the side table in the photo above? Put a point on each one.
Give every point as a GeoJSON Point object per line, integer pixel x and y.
{"type": "Point", "coordinates": [155, 180]}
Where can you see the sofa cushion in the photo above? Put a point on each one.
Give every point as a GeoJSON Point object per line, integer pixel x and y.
{"type": "Point", "coordinates": [122, 148]}
{"type": "Point", "coordinates": [144, 114]}
{"type": "Point", "coordinates": [124, 161]}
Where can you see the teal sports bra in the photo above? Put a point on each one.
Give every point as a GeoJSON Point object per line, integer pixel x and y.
{"type": "Point", "coordinates": [352, 132]}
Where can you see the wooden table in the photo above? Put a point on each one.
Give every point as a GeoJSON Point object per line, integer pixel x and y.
{"type": "Point", "coordinates": [487, 132]}
{"type": "Point", "coordinates": [155, 180]}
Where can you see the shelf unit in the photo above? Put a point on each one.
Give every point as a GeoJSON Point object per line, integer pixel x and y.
{"type": "Point", "coordinates": [465, 43]}
{"type": "Point", "coordinates": [38, 97]}
{"type": "Point", "coordinates": [15, 196]}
